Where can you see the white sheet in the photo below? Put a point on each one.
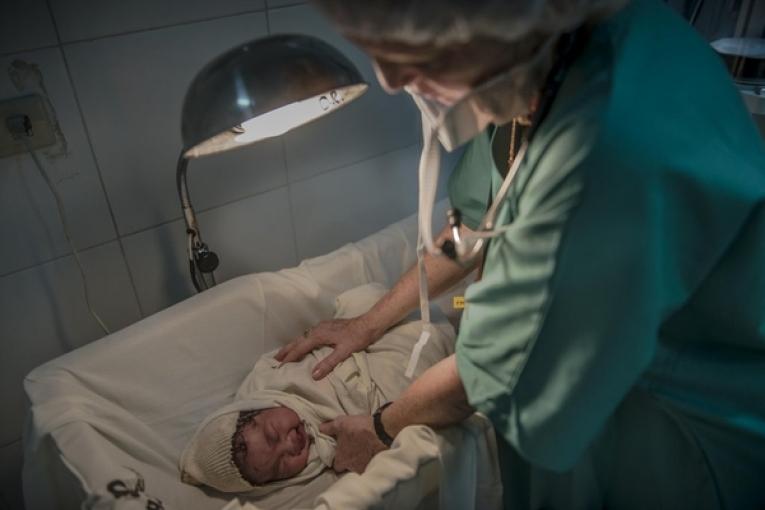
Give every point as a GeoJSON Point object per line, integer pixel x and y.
{"type": "Point", "coordinates": [113, 416]}
{"type": "Point", "coordinates": [358, 385]}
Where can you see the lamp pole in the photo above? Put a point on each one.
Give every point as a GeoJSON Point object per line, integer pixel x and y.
{"type": "Point", "coordinates": [200, 257]}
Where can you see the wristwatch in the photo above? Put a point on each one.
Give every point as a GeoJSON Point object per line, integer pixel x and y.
{"type": "Point", "coordinates": [379, 429]}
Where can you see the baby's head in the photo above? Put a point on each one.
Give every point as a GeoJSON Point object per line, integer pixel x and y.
{"type": "Point", "coordinates": [269, 445]}
{"type": "Point", "coordinates": [243, 451]}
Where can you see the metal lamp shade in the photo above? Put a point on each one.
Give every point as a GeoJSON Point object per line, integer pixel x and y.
{"type": "Point", "coordinates": [262, 89]}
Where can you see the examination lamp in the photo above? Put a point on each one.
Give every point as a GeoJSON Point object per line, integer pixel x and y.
{"type": "Point", "coordinates": [259, 90]}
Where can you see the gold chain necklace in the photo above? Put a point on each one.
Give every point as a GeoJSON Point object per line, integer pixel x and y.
{"type": "Point", "coordinates": [511, 153]}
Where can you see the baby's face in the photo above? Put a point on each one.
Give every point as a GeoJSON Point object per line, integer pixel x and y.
{"type": "Point", "coordinates": [277, 445]}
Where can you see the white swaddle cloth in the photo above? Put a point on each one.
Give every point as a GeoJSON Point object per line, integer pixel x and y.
{"type": "Point", "coordinates": [358, 385]}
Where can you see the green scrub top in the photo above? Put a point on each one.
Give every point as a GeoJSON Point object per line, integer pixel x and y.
{"type": "Point", "coordinates": [617, 337]}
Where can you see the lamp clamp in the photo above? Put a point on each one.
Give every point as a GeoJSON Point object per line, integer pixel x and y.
{"type": "Point", "coordinates": [207, 260]}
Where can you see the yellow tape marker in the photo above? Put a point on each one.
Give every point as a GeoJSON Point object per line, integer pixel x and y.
{"type": "Point", "coordinates": [458, 302]}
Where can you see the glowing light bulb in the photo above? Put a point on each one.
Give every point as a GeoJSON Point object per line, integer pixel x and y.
{"type": "Point", "coordinates": [279, 121]}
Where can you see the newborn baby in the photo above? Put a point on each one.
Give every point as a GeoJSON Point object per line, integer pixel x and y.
{"type": "Point", "coordinates": [269, 437]}
{"type": "Point", "coordinates": [270, 445]}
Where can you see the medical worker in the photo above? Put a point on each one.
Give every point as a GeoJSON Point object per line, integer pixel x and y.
{"type": "Point", "coordinates": [616, 338]}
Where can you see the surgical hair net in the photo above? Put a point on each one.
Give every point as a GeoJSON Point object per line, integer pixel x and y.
{"type": "Point", "coordinates": [444, 22]}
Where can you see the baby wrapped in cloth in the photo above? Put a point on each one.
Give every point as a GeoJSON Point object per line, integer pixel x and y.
{"type": "Point", "coordinates": [359, 385]}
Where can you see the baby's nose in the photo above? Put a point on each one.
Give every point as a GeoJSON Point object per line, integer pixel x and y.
{"type": "Point", "coordinates": [293, 442]}
{"type": "Point", "coordinates": [274, 436]}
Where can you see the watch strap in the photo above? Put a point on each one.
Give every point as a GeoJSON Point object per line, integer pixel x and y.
{"type": "Point", "coordinates": [383, 436]}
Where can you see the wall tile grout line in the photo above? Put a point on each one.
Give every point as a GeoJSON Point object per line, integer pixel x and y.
{"type": "Point", "coordinates": [95, 160]}
{"type": "Point", "coordinates": [212, 208]}
{"type": "Point", "coordinates": [10, 443]}
{"type": "Point", "coordinates": [268, 19]}
{"type": "Point", "coordinates": [158, 27]}
{"type": "Point", "coordinates": [202, 211]}
{"type": "Point", "coordinates": [267, 190]}
{"type": "Point", "coordinates": [5, 54]}
{"type": "Point", "coordinates": [356, 162]}
{"type": "Point", "coordinates": [289, 205]}
{"type": "Point", "coordinates": [286, 6]}
{"type": "Point", "coordinates": [58, 257]}
{"type": "Point", "coordinates": [326, 172]}
{"type": "Point", "coordinates": [286, 167]}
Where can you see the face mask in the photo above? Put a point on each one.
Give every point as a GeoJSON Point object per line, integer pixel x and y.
{"type": "Point", "coordinates": [500, 99]}
{"type": "Point", "coordinates": [454, 125]}
{"type": "Point", "coordinates": [497, 100]}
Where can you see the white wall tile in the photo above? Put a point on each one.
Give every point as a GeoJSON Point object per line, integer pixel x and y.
{"type": "Point", "coordinates": [11, 457]}
{"type": "Point", "coordinates": [373, 124]}
{"type": "Point", "coordinates": [347, 204]}
{"type": "Point", "coordinates": [29, 223]}
{"type": "Point", "coordinates": [83, 19]}
{"type": "Point", "coordinates": [43, 314]}
{"type": "Point", "coordinates": [24, 25]}
{"type": "Point", "coordinates": [251, 235]}
{"type": "Point", "coordinates": [132, 89]}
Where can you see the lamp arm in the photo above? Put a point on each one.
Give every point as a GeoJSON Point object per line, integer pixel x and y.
{"type": "Point", "coordinates": [201, 259]}
{"type": "Point", "coordinates": [183, 193]}
{"type": "Point", "coordinates": [188, 216]}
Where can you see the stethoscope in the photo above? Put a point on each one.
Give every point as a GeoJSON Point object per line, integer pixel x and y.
{"type": "Point", "coordinates": [461, 249]}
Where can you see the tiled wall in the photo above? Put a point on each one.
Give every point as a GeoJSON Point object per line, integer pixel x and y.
{"type": "Point", "coordinates": [115, 73]}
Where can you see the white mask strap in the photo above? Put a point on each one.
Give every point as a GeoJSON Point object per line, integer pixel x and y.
{"type": "Point", "coordinates": [422, 277]}
{"type": "Point", "coordinates": [428, 176]}
{"type": "Point", "coordinates": [430, 162]}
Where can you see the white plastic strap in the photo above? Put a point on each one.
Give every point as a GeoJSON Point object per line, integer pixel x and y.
{"type": "Point", "coordinates": [430, 163]}
{"type": "Point", "coordinates": [415, 357]}
{"type": "Point", "coordinates": [428, 183]}
{"type": "Point", "coordinates": [422, 282]}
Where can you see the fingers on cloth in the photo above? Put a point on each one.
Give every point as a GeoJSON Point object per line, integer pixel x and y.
{"type": "Point", "coordinates": [295, 350]}
{"type": "Point", "coordinates": [284, 350]}
{"type": "Point", "coordinates": [329, 363]}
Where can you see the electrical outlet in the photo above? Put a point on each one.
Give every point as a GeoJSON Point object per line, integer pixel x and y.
{"type": "Point", "coordinates": [39, 129]}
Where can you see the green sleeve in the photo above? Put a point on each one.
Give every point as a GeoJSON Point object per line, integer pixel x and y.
{"type": "Point", "coordinates": [567, 315]}
{"type": "Point", "coordinates": [470, 181]}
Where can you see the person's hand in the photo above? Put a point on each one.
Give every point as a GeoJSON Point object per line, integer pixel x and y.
{"type": "Point", "coordinates": [356, 440]}
{"type": "Point", "coordinates": [346, 336]}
